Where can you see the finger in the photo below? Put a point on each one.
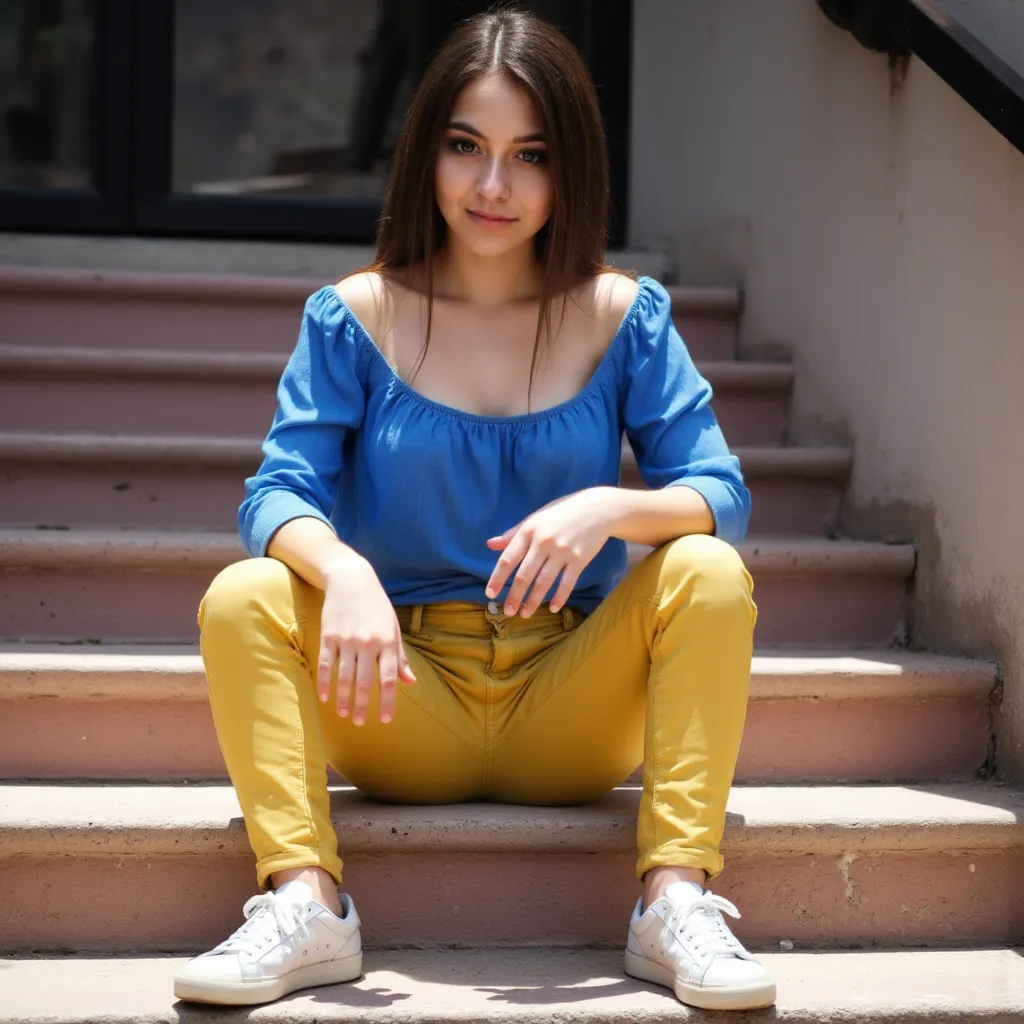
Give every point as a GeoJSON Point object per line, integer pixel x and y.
{"type": "Point", "coordinates": [388, 676]}
{"type": "Point", "coordinates": [405, 672]}
{"type": "Point", "coordinates": [324, 667]}
{"type": "Point", "coordinates": [510, 558]}
{"type": "Point", "coordinates": [565, 588]}
{"type": "Point", "coordinates": [346, 676]}
{"type": "Point", "coordinates": [524, 577]}
{"type": "Point", "coordinates": [541, 585]}
{"type": "Point", "coordinates": [366, 663]}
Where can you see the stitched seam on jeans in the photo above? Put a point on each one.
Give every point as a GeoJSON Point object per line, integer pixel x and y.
{"type": "Point", "coordinates": [657, 657]}
{"type": "Point", "coordinates": [302, 751]}
{"type": "Point", "coordinates": [405, 691]}
{"type": "Point", "coordinates": [589, 653]}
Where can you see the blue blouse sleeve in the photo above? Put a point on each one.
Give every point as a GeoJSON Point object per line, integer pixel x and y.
{"type": "Point", "coordinates": [320, 398]}
{"type": "Point", "coordinates": [668, 419]}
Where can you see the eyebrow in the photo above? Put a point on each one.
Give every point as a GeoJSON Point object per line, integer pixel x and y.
{"type": "Point", "coordinates": [462, 126]}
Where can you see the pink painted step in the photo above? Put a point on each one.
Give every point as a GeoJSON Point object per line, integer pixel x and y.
{"type": "Point", "coordinates": [168, 868]}
{"type": "Point", "coordinates": [136, 585]}
{"type": "Point", "coordinates": [100, 712]}
{"type": "Point", "coordinates": [232, 394]}
{"type": "Point", "coordinates": [198, 482]}
{"type": "Point", "coordinates": [211, 312]}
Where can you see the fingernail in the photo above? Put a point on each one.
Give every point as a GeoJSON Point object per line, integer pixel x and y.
{"type": "Point", "coordinates": [357, 721]}
{"type": "Point", "coordinates": [524, 613]}
{"type": "Point", "coordinates": [385, 719]}
{"type": "Point", "coordinates": [554, 607]}
{"type": "Point", "coordinates": [322, 695]}
{"type": "Point", "coordinates": [343, 712]}
{"type": "Point", "coordinates": [509, 610]}
{"type": "Point", "coordinates": [489, 591]}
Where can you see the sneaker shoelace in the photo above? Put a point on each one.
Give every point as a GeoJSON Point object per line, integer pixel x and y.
{"type": "Point", "coordinates": [267, 918]}
{"type": "Point", "coordinates": [701, 925]}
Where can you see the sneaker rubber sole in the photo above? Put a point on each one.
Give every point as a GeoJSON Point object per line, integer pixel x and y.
{"type": "Point", "coordinates": [266, 990]}
{"type": "Point", "coordinates": [750, 997]}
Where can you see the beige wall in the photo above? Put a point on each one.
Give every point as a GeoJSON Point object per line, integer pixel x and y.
{"type": "Point", "coordinates": [877, 225]}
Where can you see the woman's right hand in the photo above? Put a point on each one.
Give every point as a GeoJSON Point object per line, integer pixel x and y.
{"type": "Point", "coordinates": [359, 632]}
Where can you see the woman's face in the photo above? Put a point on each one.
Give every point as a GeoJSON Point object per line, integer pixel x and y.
{"type": "Point", "coordinates": [492, 182]}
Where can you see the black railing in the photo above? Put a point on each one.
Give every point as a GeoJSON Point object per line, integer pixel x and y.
{"type": "Point", "coordinates": [944, 39]}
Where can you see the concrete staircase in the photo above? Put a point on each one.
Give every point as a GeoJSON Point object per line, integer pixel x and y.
{"type": "Point", "coordinates": [131, 409]}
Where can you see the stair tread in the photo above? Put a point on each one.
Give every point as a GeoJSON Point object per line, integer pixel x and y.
{"type": "Point", "coordinates": [73, 818]}
{"type": "Point", "coordinates": [174, 672]}
{"type": "Point", "coordinates": [177, 363]}
{"type": "Point", "coordinates": [63, 548]}
{"type": "Point", "coordinates": [832, 462]}
{"type": "Point", "coordinates": [264, 288]}
{"type": "Point", "coordinates": [536, 985]}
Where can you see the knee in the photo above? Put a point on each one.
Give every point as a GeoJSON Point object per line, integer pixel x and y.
{"type": "Point", "coordinates": [706, 568]}
{"type": "Point", "coordinates": [242, 591]}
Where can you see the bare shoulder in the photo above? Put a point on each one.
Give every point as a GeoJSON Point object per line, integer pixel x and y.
{"type": "Point", "coordinates": [607, 298]}
{"type": "Point", "coordinates": [615, 293]}
{"type": "Point", "coordinates": [365, 294]}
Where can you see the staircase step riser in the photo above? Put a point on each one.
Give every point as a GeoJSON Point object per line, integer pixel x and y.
{"type": "Point", "coordinates": [160, 605]}
{"type": "Point", "coordinates": [192, 325]}
{"type": "Point", "coordinates": [784, 740]}
{"type": "Point", "coordinates": [128, 901]}
{"type": "Point", "coordinates": [219, 408]}
{"type": "Point", "coordinates": [208, 498]}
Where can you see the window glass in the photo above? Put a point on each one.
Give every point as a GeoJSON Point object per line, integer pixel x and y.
{"type": "Point", "coordinates": [291, 97]}
{"type": "Point", "coordinates": [304, 97]}
{"type": "Point", "coordinates": [45, 92]}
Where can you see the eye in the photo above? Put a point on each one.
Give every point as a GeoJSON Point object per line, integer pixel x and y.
{"type": "Point", "coordinates": [457, 144]}
{"type": "Point", "coordinates": [534, 156]}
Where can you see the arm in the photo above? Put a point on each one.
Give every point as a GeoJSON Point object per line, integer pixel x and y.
{"type": "Point", "coordinates": [288, 505]}
{"type": "Point", "coordinates": [678, 443]}
{"type": "Point", "coordinates": [656, 517]}
{"type": "Point", "coordinates": [311, 549]}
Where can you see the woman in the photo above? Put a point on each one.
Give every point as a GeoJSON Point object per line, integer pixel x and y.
{"type": "Point", "coordinates": [435, 566]}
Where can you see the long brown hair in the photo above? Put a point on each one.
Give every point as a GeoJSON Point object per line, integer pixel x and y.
{"type": "Point", "coordinates": [547, 67]}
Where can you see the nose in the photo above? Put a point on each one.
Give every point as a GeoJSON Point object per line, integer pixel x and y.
{"type": "Point", "coordinates": [493, 182]}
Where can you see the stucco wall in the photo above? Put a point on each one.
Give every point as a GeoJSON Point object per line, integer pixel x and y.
{"type": "Point", "coordinates": [877, 225]}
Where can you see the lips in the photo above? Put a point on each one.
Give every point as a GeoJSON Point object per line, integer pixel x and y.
{"type": "Point", "coordinates": [490, 218]}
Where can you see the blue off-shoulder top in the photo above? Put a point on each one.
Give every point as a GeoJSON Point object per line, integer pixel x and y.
{"type": "Point", "coordinates": [417, 487]}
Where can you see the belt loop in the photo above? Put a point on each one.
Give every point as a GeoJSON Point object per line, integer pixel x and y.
{"type": "Point", "coordinates": [416, 623]}
{"type": "Point", "coordinates": [567, 618]}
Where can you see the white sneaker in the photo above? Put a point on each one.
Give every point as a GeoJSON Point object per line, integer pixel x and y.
{"type": "Point", "coordinates": [289, 941]}
{"type": "Point", "coordinates": [682, 941]}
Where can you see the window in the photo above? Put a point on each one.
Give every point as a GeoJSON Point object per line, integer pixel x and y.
{"type": "Point", "coordinates": [238, 118]}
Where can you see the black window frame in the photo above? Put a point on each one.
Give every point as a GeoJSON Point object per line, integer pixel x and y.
{"type": "Point", "coordinates": [133, 114]}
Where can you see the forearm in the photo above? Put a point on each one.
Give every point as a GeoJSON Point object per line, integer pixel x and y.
{"type": "Point", "coordinates": [312, 550]}
{"type": "Point", "coordinates": [656, 517]}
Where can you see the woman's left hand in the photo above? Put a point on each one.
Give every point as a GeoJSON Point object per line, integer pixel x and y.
{"type": "Point", "coordinates": [562, 537]}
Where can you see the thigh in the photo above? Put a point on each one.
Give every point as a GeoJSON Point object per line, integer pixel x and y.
{"type": "Point", "coordinates": [576, 728]}
{"type": "Point", "coordinates": [428, 753]}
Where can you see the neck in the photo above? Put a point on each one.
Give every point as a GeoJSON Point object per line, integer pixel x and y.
{"type": "Point", "coordinates": [486, 281]}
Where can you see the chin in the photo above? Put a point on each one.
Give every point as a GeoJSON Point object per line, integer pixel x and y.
{"type": "Point", "coordinates": [491, 246]}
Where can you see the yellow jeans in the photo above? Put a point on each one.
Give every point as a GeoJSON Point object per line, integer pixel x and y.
{"type": "Point", "coordinates": [556, 709]}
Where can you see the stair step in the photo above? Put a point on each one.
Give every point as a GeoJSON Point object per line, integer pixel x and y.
{"type": "Point", "coordinates": [118, 391]}
{"type": "Point", "coordinates": [142, 713]}
{"type": "Point", "coordinates": [707, 319]}
{"type": "Point", "coordinates": [98, 309]}
{"type": "Point", "coordinates": [145, 585]}
{"type": "Point", "coordinates": [794, 491]}
{"type": "Point", "coordinates": [828, 866]}
{"type": "Point", "coordinates": [198, 482]}
{"type": "Point", "coordinates": [575, 986]}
